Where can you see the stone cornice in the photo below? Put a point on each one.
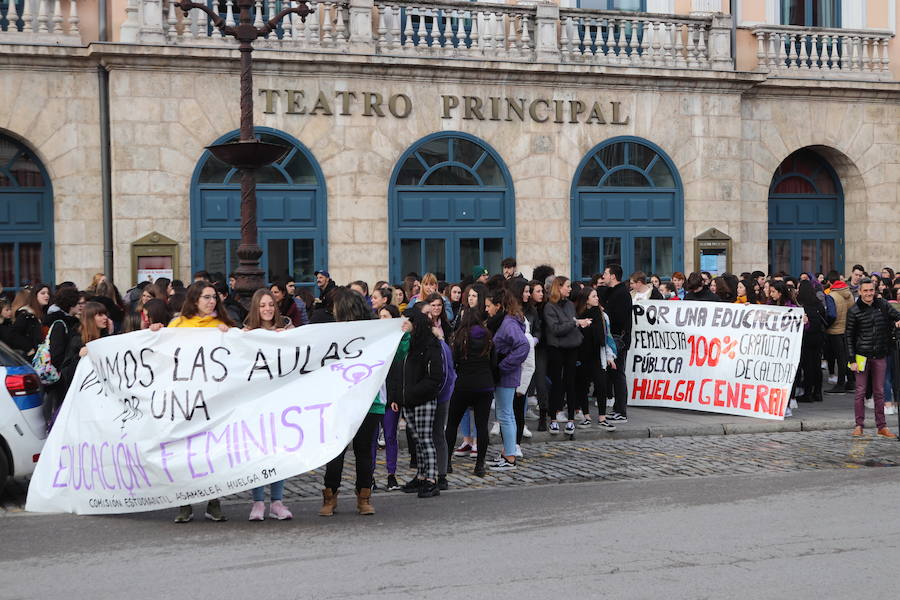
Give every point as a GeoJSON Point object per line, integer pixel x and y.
{"type": "Point", "coordinates": [221, 60]}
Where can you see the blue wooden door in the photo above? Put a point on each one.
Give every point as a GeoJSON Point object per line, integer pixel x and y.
{"type": "Point", "coordinates": [627, 209]}
{"type": "Point", "coordinates": [806, 216]}
{"type": "Point", "coordinates": [290, 214]}
{"type": "Point", "coordinates": [26, 218]}
{"type": "Point", "coordinates": [451, 208]}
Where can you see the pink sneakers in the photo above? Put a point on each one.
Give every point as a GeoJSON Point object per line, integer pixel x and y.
{"type": "Point", "coordinates": [258, 511]}
{"type": "Point", "coordinates": [277, 510]}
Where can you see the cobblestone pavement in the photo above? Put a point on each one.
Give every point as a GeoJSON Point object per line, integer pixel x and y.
{"type": "Point", "coordinates": [617, 460]}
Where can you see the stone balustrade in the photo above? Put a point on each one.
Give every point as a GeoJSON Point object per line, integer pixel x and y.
{"type": "Point", "coordinates": [789, 51]}
{"type": "Point", "coordinates": [455, 29]}
{"type": "Point", "coordinates": [637, 39]}
{"type": "Point", "coordinates": [458, 29]}
{"type": "Point", "coordinates": [39, 22]}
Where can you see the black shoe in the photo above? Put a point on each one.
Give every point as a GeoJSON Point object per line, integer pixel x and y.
{"type": "Point", "coordinates": [805, 398]}
{"type": "Point", "coordinates": [617, 418]}
{"type": "Point", "coordinates": [392, 484]}
{"type": "Point", "coordinates": [375, 487]}
{"type": "Point", "coordinates": [542, 424]}
{"type": "Point", "coordinates": [428, 489]}
{"type": "Point", "coordinates": [479, 469]}
{"type": "Point", "coordinates": [412, 485]}
{"type": "Point", "coordinates": [838, 389]}
{"type": "Point", "coordinates": [442, 482]}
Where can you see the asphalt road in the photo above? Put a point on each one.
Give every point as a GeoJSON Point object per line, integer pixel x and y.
{"type": "Point", "coordinates": [811, 534]}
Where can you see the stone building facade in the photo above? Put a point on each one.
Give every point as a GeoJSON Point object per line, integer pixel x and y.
{"type": "Point", "coordinates": [371, 84]}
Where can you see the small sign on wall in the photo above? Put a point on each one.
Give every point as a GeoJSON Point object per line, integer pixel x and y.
{"type": "Point", "coordinates": [153, 256]}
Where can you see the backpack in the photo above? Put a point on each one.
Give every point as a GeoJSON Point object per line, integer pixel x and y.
{"type": "Point", "coordinates": [46, 372]}
{"type": "Point", "coordinates": [449, 383]}
{"type": "Point", "coordinates": [830, 311]}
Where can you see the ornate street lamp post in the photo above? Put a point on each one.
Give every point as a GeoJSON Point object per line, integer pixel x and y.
{"type": "Point", "coordinates": [247, 154]}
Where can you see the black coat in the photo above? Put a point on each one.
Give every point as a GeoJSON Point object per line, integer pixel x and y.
{"type": "Point", "coordinates": [594, 337]}
{"type": "Point", "coordinates": [474, 367]}
{"type": "Point", "coordinates": [704, 295]}
{"type": "Point", "coordinates": [870, 328]}
{"type": "Point", "coordinates": [617, 304]}
{"type": "Point", "coordinates": [423, 374]}
{"type": "Point", "coordinates": [815, 315]}
{"type": "Point", "coordinates": [26, 333]}
{"type": "Point", "coordinates": [61, 335]}
{"type": "Point", "coordinates": [6, 328]}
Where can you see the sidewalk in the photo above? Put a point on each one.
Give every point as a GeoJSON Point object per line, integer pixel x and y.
{"type": "Point", "coordinates": [835, 412]}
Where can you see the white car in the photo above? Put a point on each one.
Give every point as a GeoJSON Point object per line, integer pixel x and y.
{"type": "Point", "coordinates": [22, 425]}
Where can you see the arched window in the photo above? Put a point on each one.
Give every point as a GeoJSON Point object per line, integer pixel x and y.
{"type": "Point", "coordinates": [451, 208]}
{"type": "Point", "coordinates": [806, 216]}
{"type": "Point", "coordinates": [26, 217]}
{"type": "Point", "coordinates": [627, 207]}
{"type": "Point", "coordinates": [291, 216]}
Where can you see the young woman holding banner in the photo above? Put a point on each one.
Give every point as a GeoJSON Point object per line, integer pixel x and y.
{"type": "Point", "coordinates": [202, 308]}
{"type": "Point", "coordinates": [264, 314]}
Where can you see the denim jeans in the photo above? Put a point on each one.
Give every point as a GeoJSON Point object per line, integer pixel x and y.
{"type": "Point", "coordinates": [276, 491]}
{"type": "Point", "coordinates": [389, 424]}
{"type": "Point", "coordinates": [504, 408]}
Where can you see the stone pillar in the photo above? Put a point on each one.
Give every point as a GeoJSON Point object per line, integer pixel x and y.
{"type": "Point", "coordinates": [720, 43]}
{"type": "Point", "coordinates": [152, 22]}
{"type": "Point", "coordinates": [361, 39]}
{"type": "Point", "coordinates": [546, 41]}
{"type": "Point", "coordinates": [129, 32]}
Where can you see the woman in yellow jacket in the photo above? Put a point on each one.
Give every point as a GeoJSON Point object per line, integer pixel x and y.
{"type": "Point", "coordinates": [202, 308]}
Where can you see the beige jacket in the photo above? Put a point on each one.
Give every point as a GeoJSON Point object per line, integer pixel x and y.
{"type": "Point", "coordinates": [843, 300]}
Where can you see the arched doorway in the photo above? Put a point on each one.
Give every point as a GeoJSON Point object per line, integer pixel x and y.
{"type": "Point", "coordinates": [452, 207]}
{"type": "Point", "coordinates": [627, 209]}
{"type": "Point", "coordinates": [26, 217]}
{"type": "Point", "coordinates": [291, 214]}
{"type": "Point", "coordinates": [806, 216]}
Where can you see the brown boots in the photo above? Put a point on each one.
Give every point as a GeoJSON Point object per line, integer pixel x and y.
{"type": "Point", "coordinates": [363, 506]}
{"type": "Point", "coordinates": [329, 503]}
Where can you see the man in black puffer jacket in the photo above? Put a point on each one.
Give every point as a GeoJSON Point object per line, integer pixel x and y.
{"type": "Point", "coordinates": [870, 324]}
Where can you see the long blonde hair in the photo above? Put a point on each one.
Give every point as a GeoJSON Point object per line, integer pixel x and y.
{"type": "Point", "coordinates": [98, 277]}
{"type": "Point", "coordinates": [253, 320]}
{"type": "Point", "coordinates": [556, 288]}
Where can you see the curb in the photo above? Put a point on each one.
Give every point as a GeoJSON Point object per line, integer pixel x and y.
{"type": "Point", "coordinates": [626, 432]}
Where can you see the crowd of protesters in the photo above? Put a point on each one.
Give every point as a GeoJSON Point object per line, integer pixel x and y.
{"type": "Point", "coordinates": [545, 349]}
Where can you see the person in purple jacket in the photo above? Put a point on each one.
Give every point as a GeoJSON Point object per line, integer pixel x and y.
{"type": "Point", "coordinates": [507, 325]}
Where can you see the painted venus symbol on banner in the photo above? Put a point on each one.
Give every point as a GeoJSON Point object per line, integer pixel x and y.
{"type": "Point", "coordinates": [158, 420]}
{"type": "Point", "coordinates": [736, 359]}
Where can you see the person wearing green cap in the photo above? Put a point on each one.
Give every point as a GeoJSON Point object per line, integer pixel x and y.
{"type": "Point", "coordinates": [480, 274]}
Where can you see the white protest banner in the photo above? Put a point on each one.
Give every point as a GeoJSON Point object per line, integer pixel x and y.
{"type": "Point", "coordinates": [738, 359]}
{"type": "Point", "coordinates": [157, 420]}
